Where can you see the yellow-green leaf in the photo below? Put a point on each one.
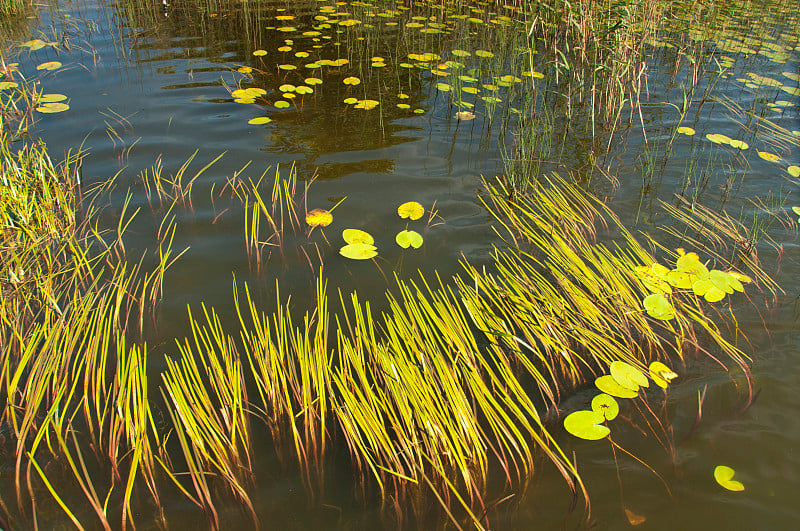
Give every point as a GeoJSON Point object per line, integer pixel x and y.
{"type": "Point", "coordinates": [356, 236]}
{"type": "Point", "coordinates": [661, 374]}
{"type": "Point", "coordinates": [609, 385]}
{"type": "Point", "coordinates": [658, 307]}
{"type": "Point", "coordinates": [411, 210]}
{"type": "Point", "coordinates": [260, 120]}
{"type": "Point", "coordinates": [358, 251]}
{"type": "Point", "coordinates": [586, 425]}
{"type": "Point", "coordinates": [628, 376]}
{"type": "Point", "coordinates": [606, 405]}
{"type": "Point", "coordinates": [50, 108]}
{"type": "Point", "coordinates": [724, 476]}
{"type": "Point", "coordinates": [406, 238]}
{"type": "Point", "coordinates": [50, 65]}
{"type": "Point", "coordinates": [319, 218]}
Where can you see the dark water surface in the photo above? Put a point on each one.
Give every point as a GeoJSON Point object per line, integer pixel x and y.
{"type": "Point", "coordinates": [149, 83]}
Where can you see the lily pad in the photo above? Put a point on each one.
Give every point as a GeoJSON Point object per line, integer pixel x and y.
{"type": "Point", "coordinates": [50, 65]}
{"type": "Point", "coordinates": [319, 218]}
{"type": "Point", "coordinates": [628, 376]}
{"type": "Point", "coordinates": [686, 131]}
{"type": "Point", "coordinates": [356, 236]}
{"type": "Point", "coordinates": [770, 157]}
{"type": "Point", "coordinates": [260, 120]}
{"type": "Point", "coordinates": [606, 405]}
{"type": "Point", "coordinates": [465, 115]}
{"type": "Point", "coordinates": [411, 210]}
{"type": "Point", "coordinates": [658, 307]}
{"type": "Point", "coordinates": [358, 251]}
{"type": "Point", "coordinates": [794, 171]}
{"type": "Point", "coordinates": [50, 108]}
{"type": "Point", "coordinates": [724, 476]}
{"type": "Point", "coordinates": [352, 80]}
{"type": "Point", "coordinates": [406, 238]}
{"type": "Point", "coordinates": [609, 385]}
{"type": "Point", "coordinates": [282, 104]}
{"type": "Point", "coordinates": [366, 104]}
{"type": "Point", "coordinates": [586, 425]}
{"type": "Point", "coordinates": [51, 98]}
{"type": "Point", "coordinates": [259, 53]}
{"type": "Point", "coordinates": [661, 374]}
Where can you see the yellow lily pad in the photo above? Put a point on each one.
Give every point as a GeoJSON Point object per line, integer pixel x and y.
{"type": "Point", "coordinates": [658, 306]}
{"type": "Point", "coordinates": [586, 425]}
{"type": "Point", "coordinates": [628, 376]}
{"type": "Point", "coordinates": [411, 210]}
{"type": "Point", "coordinates": [406, 238]}
{"type": "Point", "coordinates": [50, 65]}
{"type": "Point", "coordinates": [319, 218]}
{"type": "Point", "coordinates": [50, 108]}
{"type": "Point", "coordinates": [724, 476]}
{"type": "Point", "coordinates": [356, 236]}
{"type": "Point", "coordinates": [358, 251]}
{"type": "Point", "coordinates": [606, 405]}
{"type": "Point", "coordinates": [609, 385]}
{"type": "Point", "coordinates": [260, 120]}
{"type": "Point", "coordinates": [661, 374]}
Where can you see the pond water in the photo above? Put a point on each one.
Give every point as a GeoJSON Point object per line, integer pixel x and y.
{"type": "Point", "coordinates": [151, 83]}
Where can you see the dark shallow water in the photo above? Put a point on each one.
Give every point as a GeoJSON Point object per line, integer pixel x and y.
{"type": "Point", "coordinates": [155, 88]}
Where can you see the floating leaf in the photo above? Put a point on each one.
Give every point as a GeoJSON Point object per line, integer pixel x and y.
{"type": "Point", "coordinates": [606, 405]}
{"type": "Point", "coordinates": [50, 108]}
{"type": "Point", "coordinates": [35, 44]}
{"type": "Point", "coordinates": [794, 171]}
{"type": "Point", "coordinates": [351, 101]}
{"type": "Point", "coordinates": [654, 277]}
{"type": "Point", "coordinates": [352, 80]}
{"type": "Point", "coordinates": [658, 307]}
{"type": "Point", "coordinates": [714, 287]}
{"type": "Point", "coordinates": [312, 80]}
{"type": "Point", "coordinates": [460, 53]}
{"type": "Point", "coordinates": [7, 85]}
{"type": "Point", "coordinates": [609, 385]}
{"type": "Point", "coordinates": [282, 104]}
{"type": "Point", "coordinates": [739, 144]}
{"type": "Point", "coordinates": [661, 374]}
{"type": "Point", "coordinates": [465, 115]}
{"type": "Point", "coordinates": [686, 131]}
{"type": "Point", "coordinates": [484, 53]}
{"type": "Point", "coordinates": [358, 251]}
{"type": "Point", "coordinates": [244, 69]}
{"type": "Point", "coordinates": [50, 65]}
{"type": "Point", "coordinates": [287, 88]}
{"type": "Point", "coordinates": [724, 476]}
{"type": "Point", "coordinates": [586, 425]}
{"type": "Point", "coordinates": [444, 87]}
{"type": "Point", "coordinates": [287, 67]}
{"type": "Point", "coordinates": [260, 120]}
{"type": "Point", "coordinates": [259, 53]}
{"type": "Point", "coordinates": [366, 104]}
{"type": "Point", "coordinates": [718, 138]}
{"type": "Point", "coordinates": [770, 157]}
{"type": "Point", "coordinates": [356, 236]}
{"type": "Point", "coordinates": [51, 98]}
{"type": "Point", "coordinates": [406, 238]}
{"type": "Point", "coordinates": [411, 210]}
{"type": "Point", "coordinates": [319, 218]}
{"type": "Point", "coordinates": [302, 89]}
{"type": "Point", "coordinates": [628, 376]}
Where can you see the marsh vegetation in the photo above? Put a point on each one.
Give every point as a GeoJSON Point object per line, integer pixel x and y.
{"type": "Point", "coordinates": [369, 263]}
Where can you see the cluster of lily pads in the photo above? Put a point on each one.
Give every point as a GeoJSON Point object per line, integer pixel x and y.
{"type": "Point", "coordinates": [689, 274]}
{"type": "Point", "coordinates": [360, 245]}
{"type": "Point", "coordinates": [624, 381]}
{"type": "Point", "coordinates": [43, 103]}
